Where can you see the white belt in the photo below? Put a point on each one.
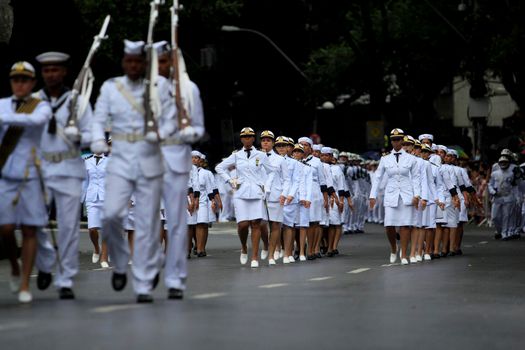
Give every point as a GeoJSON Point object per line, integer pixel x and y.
{"type": "Point", "coordinates": [171, 141]}
{"type": "Point", "coordinates": [57, 157]}
{"type": "Point", "coordinates": [127, 137]}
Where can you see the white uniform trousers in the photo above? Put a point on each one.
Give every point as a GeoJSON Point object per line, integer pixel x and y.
{"type": "Point", "coordinates": [175, 196]}
{"type": "Point", "coordinates": [66, 191]}
{"type": "Point", "coordinates": [45, 256]}
{"type": "Point", "coordinates": [227, 207]}
{"type": "Point", "coordinates": [147, 252]}
{"type": "Point", "coordinates": [501, 217]}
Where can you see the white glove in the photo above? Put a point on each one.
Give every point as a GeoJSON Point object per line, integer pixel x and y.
{"type": "Point", "coordinates": [99, 146]}
{"type": "Point", "coordinates": [233, 183]}
{"type": "Point", "coordinates": [188, 135]}
{"type": "Point", "coordinates": [151, 137]}
{"type": "Point", "coordinates": [72, 133]}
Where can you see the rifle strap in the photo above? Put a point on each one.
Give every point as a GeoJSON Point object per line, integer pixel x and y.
{"type": "Point", "coordinates": [129, 97]}
{"type": "Point", "coordinates": [14, 132]}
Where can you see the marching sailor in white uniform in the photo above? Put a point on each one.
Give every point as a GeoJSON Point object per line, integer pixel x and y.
{"type": "Point", "coordinates": [252, 184]}
{"type": "Point", "coordinates": [176, 151]}
{"type": "Point", "coordinates": [22, 203]}
{"type": "Point", "coordinates": [402, 193]}
{"type": "Point", "coordinates": [63, 168]}
{"type": "Point", "coordinates": [135, 167]}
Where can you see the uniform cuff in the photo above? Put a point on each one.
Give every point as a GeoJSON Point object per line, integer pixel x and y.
{"type": "Point", "coordinates": [324, 188]}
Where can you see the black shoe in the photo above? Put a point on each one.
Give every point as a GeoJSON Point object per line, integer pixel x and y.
{"type": "Point", "coordinates": [144, 298]}
{"type": "Point", "coordinates": [505, 239]}
{"type": "Point", "coordinates": [318, 255]}
{"type": "Point", "coordinates": [174, 293]}
{"type": "Point", "coordinates": [201, 254]}
{"type": "Point", "coordinates": [346, 232]}
{"type": "Point", "coordinates": [330, 254]}
{"type": "Point", "coordinates": [189, 256]}
{"type": "Point", "coordinates": [359, 231]}
{"type": "Point", "coordinates": [155, 281]}
{"type": "Point", "coordinates": [66, 293]}
{"type": "Point", "coordinates": [443, 255]}
{"type": "Point", "coordinates": [435, 256]}
{"type": "Point", "coordinates": [310, 257]}
{"type": "Point", "coordinates": [118, 281]}
{"type": "Point", "coordinates": [323, 250]}
{"type": "Point", "coordinates": [452, 253]}
{"type": "Point", "coordinates": [459, 252]}
{"type": "Point", "coordinates": [336, 252]}
{"type": "Point", "coordinates": [43, 280]}
{"type": "Point", "coordinates": [497, 236]}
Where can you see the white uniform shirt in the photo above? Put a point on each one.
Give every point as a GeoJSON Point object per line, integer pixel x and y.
{"type": "Point", "coordinates": [253, 173]}
{"type": "Point", "coordinates": [33, 124]}
{"type": "Point", "coordinates": [403, 178]}
{"type": "Point", "coordinates": [58, 143]}
{"type": "Point", "coordinates": [281, 178]}
{"type": "Point", "coordinates": [131, 159]}
{"type": "Point", "coordinates": [95, 179]}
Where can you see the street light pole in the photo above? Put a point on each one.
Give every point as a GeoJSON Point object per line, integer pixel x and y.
{"type": "Point", "coordinates": [237, 29]}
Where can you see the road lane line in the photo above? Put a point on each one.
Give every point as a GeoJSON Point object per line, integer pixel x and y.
{"type": "Point", "coordinates": [388, 265]}
{"type": "Point", "coordinates": [363, 269]}
{"type": "Point", "coordinates": [320, 278]}
{"type": "Point", "coordinates": [483, 242]}
{"type": "Point", "coordinates": [103, 269]}
{"type": "Point", "coordinates": [208, 295]}
{"type": "Point", "coordinates": [274, 285]}
{"type": "Point", "coordinates": [111, 308]}
{"type": "Point", "coordinates": [11, 326]}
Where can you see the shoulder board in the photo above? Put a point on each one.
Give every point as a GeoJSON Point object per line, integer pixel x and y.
{"type": "Point", "coordinates": [385, 154]}
{"type": "Point", "coordinates": [91, 156]}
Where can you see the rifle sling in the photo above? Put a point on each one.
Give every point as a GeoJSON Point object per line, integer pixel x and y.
{"type": "Point", "coordinates": [14, 132]}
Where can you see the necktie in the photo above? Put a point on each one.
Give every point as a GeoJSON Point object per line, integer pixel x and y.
{"type": "Point", "coordinates": [97, 159]}
{"type": "Point", "coordinates": [268, 154]}
{"type": "Point", "coordinates": [17, 104]}
{"type": "Point", "coordinates": [248, 152]}
{"type": "Point", "coordinates": [397, 156]}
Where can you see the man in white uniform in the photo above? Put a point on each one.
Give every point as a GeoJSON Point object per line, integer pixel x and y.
{"type": "Point", "coordinates": [135, 167]}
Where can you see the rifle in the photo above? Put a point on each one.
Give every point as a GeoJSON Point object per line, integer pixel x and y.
{"type": "Point", "coordinates": [151, 103]}
{"type": "Point", "coordinates": [183, 118]}
{"type": "Point", "coordinates": [84, 81]}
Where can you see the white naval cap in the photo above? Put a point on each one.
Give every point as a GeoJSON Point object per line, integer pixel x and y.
{"type": "Point", "coordinates": [22, 68]}
{"type": "Point", "coordinates": [503, 159]}
{"type": "Point", "coordinates": [305, 139]}
{"type": "Point", "coordinates": [452, 152]}
{"type": "Point", "coordinates": [133, 47]}
{"type": "Point", "coordinates": [316, 147]}
{"type": "Point", "coordinates": [203, 156]}
{"type": "Point", "coordinates": [52, 57]}
{"type": "Point", "coordinates": [196, 154]}
{"type": "Point", "coordinates": [426, 136]}
{"type": "Point", "coordinates": [443, 148]}
{"type": "Point", "coordinates": [506, 152]}
{"type": "Point", "coordinates": [434, 147]}
{"type": "Point", "coordinates": [327, 150]}
{"type": "Point", "coordinates": [161, 47]}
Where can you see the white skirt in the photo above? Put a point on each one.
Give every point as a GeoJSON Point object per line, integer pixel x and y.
{"type": "Point", "coordinates": [452, 215]}
{"type": "Point", "coordinates": [402, 215]}
{"type": "Point", "coordinates": [316, 210]}
{"type": "Point", "coordinates": [290, 213]}
{"type": "Point", "coordinates": [463, 214]}
{"type": "Point", "coordinates": [335, 217]}
{"type": "Point", "coordinates": [275, 210]}
{"type": "Point", "coordinates": [203, 214]}
{"type": "Point", "coordinates": [429, 217]}
{"type": "Point", "coordinates": [30, 209]}
{"type": "Point", "coordinates": [303, 217]}
{"type": "Point", "coordinates": [95, 214]}
{"type": "Point", "coordinates": [248, 209]}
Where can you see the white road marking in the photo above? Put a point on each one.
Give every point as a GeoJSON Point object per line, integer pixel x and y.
{"type": "Point", "coordinates": [320, 278]}
{"type": "Point", "coordinates": [483, 242]}
{"type": "Point", "coordinates": [11, 326]}
{"type": "Point", "coordinates": [275, 285]}
{"type": "Point", "coordinates": [208, 295]}
{"type": "Point", "coordinates": [388, 265]}
{"type": "Point", "coordinates": [111, 308]}
{"type": "Point", "coordinates": [103, 268]}
{"type": "Point", "coordinates": [359, 270]}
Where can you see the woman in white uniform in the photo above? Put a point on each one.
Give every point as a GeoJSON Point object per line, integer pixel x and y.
{"type": "Point", "coordinates": [206, 194]}
{"type": "Point", "coordinates": [402, 193]}
{"type": "Point", "coordinates": [278, 189]}
{"type": "Point", "coordinates": [252, 168]}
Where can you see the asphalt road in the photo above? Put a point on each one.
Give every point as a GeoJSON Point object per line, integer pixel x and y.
{"type": "Point", "coordinates": [356, 300]}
